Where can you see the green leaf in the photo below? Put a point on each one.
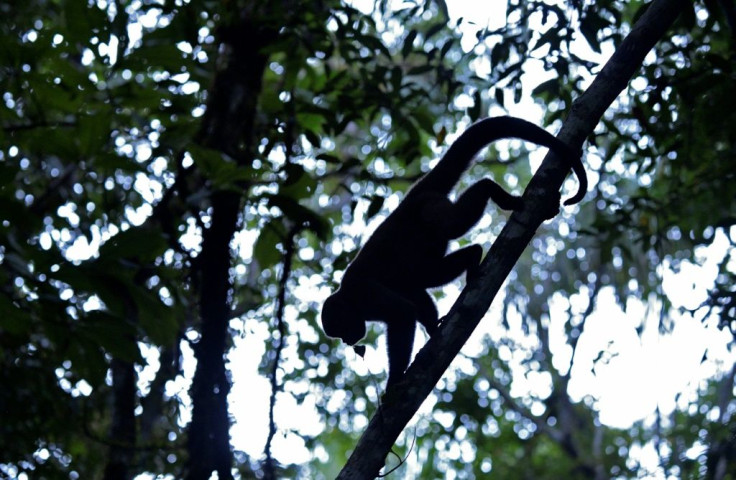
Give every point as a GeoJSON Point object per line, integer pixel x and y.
{"type": "Point", "coordinates": [298, 184]}
{"type": "Point", "coordinates": [590, 25]}
{"type": "Point", "coordinates": [116, 336]}
{"type": "Point", "coordinates": [218, 167]}
{"type": "Point", "coordinates": [264, 250]}
{"type": "Point", "coordinates": [81, 20]}
{"type": "Point", "coordinates": [311, 121]}
{"type": "Point", "coordinates": [498, 95]}
{"type": "Point", "coordinates": [88, 361]}
{"type": "Point", "coordinates": [547, 89]}
{"type": "Point", "coordinates": [475, 109]}
{"type": "Point", "coordinates": [94, 131]}
{"type": "Point", "coordinates": [165, 55]}
{"type": "Point", "coordinates": [137, 243]}
{"type": "Point", "coordinates": [158, 321]}
{"type": "Point", "coordinates": [13, 319]}
{"type": "Point", "coordinates": [409, 43]}
{"type": "Point", "coordinates": [375, 206]}
{"type": "Point", "coordinates": [300, 214]}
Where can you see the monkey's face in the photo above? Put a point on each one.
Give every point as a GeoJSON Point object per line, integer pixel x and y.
{"type": "Point", "coordinates": [340, 321]}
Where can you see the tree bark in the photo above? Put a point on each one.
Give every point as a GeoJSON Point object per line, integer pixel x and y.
{"type": "Point", "coordinates": [123, 428]}
{"type": "Point", "coordinates": [227, 127]}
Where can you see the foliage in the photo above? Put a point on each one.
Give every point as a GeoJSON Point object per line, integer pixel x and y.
{"type": "Point", "coordinates": [110, 181]}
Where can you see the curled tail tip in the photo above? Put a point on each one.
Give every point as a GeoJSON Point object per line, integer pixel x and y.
{"type": "Point", "coordinates": [576, 198]}
{"type": "Point", "coordinates": [580, 173]}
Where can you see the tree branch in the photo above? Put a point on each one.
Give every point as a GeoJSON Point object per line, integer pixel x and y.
{"type": "Point", "coordinates": [269, 467]}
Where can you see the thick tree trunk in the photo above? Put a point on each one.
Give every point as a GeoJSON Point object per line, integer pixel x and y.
{"type": "Point", "coordinates": [123, 428]}
{"type": "Point", "coordinates": [228, 128]}
{"type": "Point", "coordinates": [209, 438]}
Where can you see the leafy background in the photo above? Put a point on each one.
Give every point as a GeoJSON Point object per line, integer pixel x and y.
{"type": "Point", "coordinates": [178, 177]}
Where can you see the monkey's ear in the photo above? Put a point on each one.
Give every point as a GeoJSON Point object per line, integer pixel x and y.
{"type": "Point", "coordinates": [360, 350]}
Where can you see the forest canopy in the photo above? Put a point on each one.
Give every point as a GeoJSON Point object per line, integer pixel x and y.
{"type": "Point", "coordinates": [185, 182]}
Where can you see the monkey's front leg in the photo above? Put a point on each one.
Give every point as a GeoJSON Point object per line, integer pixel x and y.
{"type": "Point", "coordinates": [426, 311]}
{"type": "Point", "coordinates": [400, 342]}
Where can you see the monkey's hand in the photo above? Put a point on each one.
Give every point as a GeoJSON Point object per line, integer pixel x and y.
{"type": "Point", "coordinates": [359, 350]}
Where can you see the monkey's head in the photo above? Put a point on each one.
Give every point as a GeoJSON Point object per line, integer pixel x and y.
{"type": "Point", "coordinates": [339, 320]}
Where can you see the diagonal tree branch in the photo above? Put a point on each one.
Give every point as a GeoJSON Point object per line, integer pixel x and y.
{"type": "Point", "coordinates": [403, 400]}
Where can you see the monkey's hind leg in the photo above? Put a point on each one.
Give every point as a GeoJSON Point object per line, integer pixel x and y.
{"type": "Point", "coordinates": [469, 207]}
{"type": "Point", "coordinates": [453, 265]}
{"type": "Point", "coordinates": [425, 309]}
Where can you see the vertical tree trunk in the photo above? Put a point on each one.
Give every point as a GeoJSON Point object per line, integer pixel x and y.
{"type": "Point", "coordinates": [122, 430]}
{"type": "Point", "coordinates": [227, 127]}
{"type": "Point", "coordinates": [209, 438]}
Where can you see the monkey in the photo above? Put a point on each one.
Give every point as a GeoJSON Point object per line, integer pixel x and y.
{"type": "Point", "coordinates": [388, 279]}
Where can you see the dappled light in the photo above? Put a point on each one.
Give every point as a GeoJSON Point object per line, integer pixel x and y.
{"type": "Point", "coordinates": [186, 183]}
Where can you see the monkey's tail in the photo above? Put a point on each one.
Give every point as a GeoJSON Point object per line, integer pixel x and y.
{"type": "Point", "coordinates": [443, 177]}
{"type": "Point", "coordinates": [576, 163]}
